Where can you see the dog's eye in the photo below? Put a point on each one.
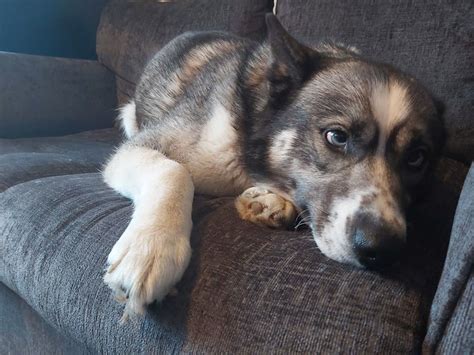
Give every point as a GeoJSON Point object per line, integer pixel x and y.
{"type": "Point", "coordinates": [336, 137]}
{"type": "Point", "coordinates": [416, 158]}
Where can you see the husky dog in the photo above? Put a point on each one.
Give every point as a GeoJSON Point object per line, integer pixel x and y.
{"type": "Point", "coordinates": [288, 128]}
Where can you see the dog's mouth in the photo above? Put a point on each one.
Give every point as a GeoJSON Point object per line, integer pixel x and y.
{"type": "Point", "coordinates": [361, 249]}
{"type": "Point", "coordinates": [360, 236]}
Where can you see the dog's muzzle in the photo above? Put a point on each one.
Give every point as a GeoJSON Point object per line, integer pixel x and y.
{"type": "Point", "coordinates": [376, 243]}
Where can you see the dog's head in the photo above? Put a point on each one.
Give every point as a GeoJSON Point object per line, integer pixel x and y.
{"type": "Point", "coordinates": [355, 139]}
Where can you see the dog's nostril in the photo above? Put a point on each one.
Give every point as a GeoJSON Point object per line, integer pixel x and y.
{"type": "Point", "coordinates": [374, 250]}
{"type": "Point", "coordinates": [371, 255]}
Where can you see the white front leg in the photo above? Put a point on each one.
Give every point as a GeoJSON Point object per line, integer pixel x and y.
{"type": "Point", "coordinates": [154, 251]}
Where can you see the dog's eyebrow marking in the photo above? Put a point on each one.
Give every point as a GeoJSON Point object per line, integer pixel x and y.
{"type": "Point", "coordinates": [390, 106]}
{"type": "Point", "coordinates": [281, 145]}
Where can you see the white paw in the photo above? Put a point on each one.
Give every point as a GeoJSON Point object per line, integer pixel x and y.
{"type": "Point", "coordinates": [260, 206]}
{"type": "Point", "coordinates": [145, 264]}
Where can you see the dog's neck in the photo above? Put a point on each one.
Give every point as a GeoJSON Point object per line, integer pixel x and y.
{"type": "Point", "coordinates": [257, 117]}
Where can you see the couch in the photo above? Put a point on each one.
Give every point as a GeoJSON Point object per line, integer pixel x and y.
{"type": "Point", "coordinates": [248, 289]}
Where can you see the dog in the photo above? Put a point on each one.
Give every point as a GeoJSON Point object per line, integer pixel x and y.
{"type": "Point", "coordinates": [322, 132]}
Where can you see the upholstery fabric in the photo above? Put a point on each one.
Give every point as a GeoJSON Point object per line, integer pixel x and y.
{"type": "Point", "coordinates": [44, 96]}
{"type": "Point", "coordinates": [248, 289]}
{"type": "Point", "coordinates": [31, 158]}
{"type": "Point", "coordinates": [432, 40]}
{"type": "Point", "coordinates": [21, 160]}
{"type": "Point", "coordinates": [451, 318]}
{"type": "Point", "coordinates": [457, 338]}
{"type": "Point", "coordinates": [131, 32]}
{"type": "Point", "coordinates": [21, 328]}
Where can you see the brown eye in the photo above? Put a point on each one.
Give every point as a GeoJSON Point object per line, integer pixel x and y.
{"type": "Point", "coordinates": [416, 158]}
{"type": "Point", "coordinates": [336, 137]}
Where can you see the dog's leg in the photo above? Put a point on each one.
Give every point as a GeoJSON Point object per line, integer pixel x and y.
{"type": "Point", "coordinates": [154, 251]}
{"type": "Point", "coordinates": [260, 206]}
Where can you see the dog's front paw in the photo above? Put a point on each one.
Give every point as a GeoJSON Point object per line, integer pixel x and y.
{"type": "Point", "coordinates": [144, 265]}
{"type": "Point", "coordinates": [260, 206]}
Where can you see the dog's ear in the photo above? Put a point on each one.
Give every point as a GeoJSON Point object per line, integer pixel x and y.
{"type": "Point", "coordinates": [291, 62]}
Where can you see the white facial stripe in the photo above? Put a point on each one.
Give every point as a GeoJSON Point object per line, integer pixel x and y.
{"type": "Point", "coordinates": [333, 240]}
{"type": "Point", "coordinates": [390, 106]}
{"type": "Point", "coordinates": [281, 145]}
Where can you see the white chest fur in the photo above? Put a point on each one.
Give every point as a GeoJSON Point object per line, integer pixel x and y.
{"type": "Point", "coordinates": [214, 162]}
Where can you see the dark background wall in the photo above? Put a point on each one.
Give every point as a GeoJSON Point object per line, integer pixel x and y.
{"type": "Point", "coordinates": [61, 28]}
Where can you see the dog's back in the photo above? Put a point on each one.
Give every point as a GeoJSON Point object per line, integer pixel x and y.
{"type": "Point", "coordinates": [183, 79]}
{"type": "Point", "coordinates": [187, 103]}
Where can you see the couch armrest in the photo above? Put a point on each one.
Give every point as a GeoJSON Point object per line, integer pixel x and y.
{"type": "Point", "coordinates": [451, 322]}
{"type": "Point", "coordinates": [43, 96]}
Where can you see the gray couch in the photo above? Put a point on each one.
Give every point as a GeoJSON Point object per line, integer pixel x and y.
{"type": "Point", "coordinates": [248, 289]}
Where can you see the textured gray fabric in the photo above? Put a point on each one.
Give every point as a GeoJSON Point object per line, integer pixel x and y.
{"type": "Point", "coordinates": [458, 337]}
{"type": "Point", "coordinates": [451, 326]}
{"type": "Point", "coordinates": [23, 331]}
{"type": "Point", "coordinates": [130, 32]}
{"type": "Point", "coordinates": [43, 96]}
{"type": "Point", "coordinates": [69, 143]}
{"type": "Point", "coordinates": [249, 289]}
{"type": "Point", "coordinates": [31, 158]}
{"type": "Point", "coordinates": [64, 228]}
{"type": "Point", "coordinates": [432, 40]}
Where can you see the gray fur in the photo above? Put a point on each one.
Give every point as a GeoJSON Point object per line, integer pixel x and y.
{"type": "Point", "coordinates": [278, 86]}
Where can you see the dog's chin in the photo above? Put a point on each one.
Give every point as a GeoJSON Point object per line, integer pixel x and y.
{"type": "Point", "coordinates": [335, 250]}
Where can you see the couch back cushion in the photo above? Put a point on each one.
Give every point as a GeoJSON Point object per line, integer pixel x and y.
{"type": "Point", "coordinates": [131, 32]}
{"type": "Point", "coordinates": [431, 40]}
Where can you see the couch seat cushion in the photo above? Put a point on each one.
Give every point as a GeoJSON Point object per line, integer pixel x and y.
{"type": "Point", "coordinates": [30, 158]}
{"type": "Point", "coordinates": [248, 289]}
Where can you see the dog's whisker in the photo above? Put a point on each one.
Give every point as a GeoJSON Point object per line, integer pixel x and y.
{"type": "Point", "coordinates": [303, 222]}
{"type": "Point", "coordinates": [300, 223]}
{"type": "Point", "coordinates": [302, 214]}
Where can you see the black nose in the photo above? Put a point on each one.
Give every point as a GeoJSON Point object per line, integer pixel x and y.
{"type": "Point", "coordinates": [375, 243]}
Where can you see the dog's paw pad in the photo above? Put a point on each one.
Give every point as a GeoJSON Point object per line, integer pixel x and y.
{"type": "Point", "coordinates": [263, 207]}
{"type": "Point", "coordinates": [256, 207]}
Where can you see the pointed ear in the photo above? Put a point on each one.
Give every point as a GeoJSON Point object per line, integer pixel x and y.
{"type": "Point", "coordinates": [291, 62]}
